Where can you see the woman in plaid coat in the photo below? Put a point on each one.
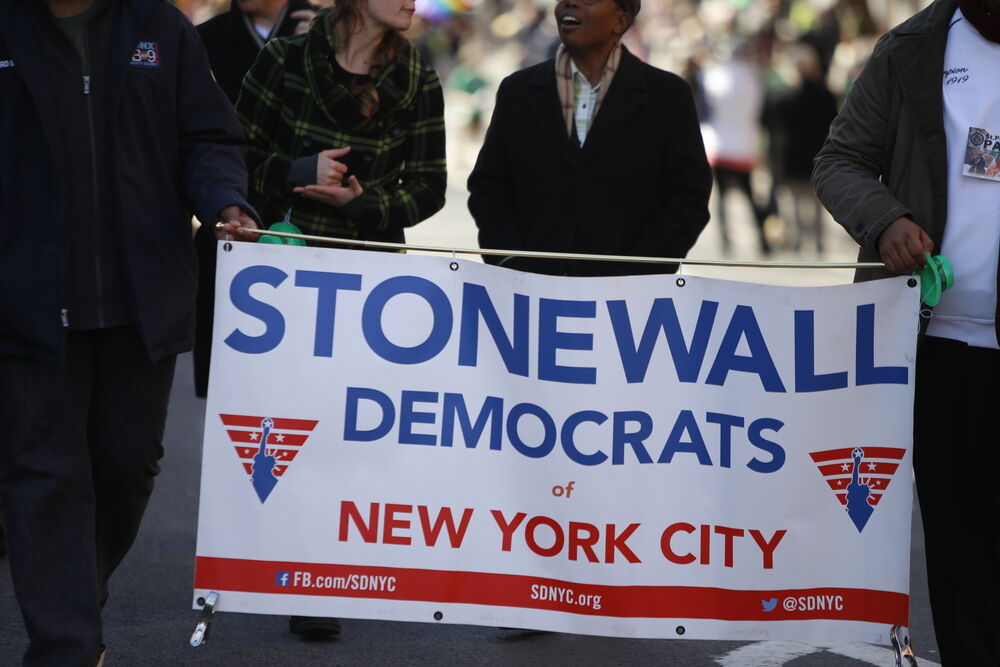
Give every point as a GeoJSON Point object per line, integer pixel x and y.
{"type": "Point", "coordinates": [345, 126]}
{"type": "Point", "coordinates": [346, 131]}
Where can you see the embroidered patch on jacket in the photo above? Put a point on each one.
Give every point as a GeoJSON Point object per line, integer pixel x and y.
{"type": "Point", "coordinates": [147, 54]}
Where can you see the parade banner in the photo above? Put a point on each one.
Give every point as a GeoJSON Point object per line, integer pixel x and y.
{"type": "Point", "coordinates": [418, 438]}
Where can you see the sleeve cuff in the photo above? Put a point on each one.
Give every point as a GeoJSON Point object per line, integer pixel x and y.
{"type": "Point", "coordinates": [302, 172]}
{"type": "Point", "coordinates": [209, 212]}
{"type": "Point", "coordinates": [355, 209]}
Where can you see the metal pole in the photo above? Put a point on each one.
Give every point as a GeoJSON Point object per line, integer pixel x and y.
{"type": "Point", "coordinates": [572, 255]}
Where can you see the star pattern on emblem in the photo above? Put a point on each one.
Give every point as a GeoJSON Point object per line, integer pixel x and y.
{"type": "Point", "coordinates": [280, 437]}
{"type": "Point", "coordinates": [254, 436]}
{"type": "Point", "coordinates": [872, 466]}
{"type": "Point", "coordinates": [846, 467]}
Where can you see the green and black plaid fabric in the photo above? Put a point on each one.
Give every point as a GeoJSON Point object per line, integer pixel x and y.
{"type": "Point", "coordinates": [291, 106]}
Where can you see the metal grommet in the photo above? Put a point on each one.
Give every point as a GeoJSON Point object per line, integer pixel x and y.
{"type": "Point", "coordinates": [680, 630]}
{"type": "Point", "coordinates": [438, 616]}
{"type": "Point", "coordinates": [453, 266]}
{"type": "Point", "coordinates": [926, 313]}
{"type": "Point", "coordinates": [201, 602]}
{"type": "Point", "coordinates": [227, 246]}
{"type": "Point", "coordinates": [681, 282]}
{"type": "Point", "coordinates": [912, 282]}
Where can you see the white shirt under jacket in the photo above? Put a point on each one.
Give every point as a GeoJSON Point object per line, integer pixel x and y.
{"type": "Point", "coordinates": [972, 233]}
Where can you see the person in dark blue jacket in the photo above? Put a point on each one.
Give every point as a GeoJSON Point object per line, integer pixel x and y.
{"type": "Point", "coordinates": [112, 132]}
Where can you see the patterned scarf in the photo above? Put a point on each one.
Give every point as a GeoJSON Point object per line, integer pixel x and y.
{"type": "Point", "coordinates": [564, 84]}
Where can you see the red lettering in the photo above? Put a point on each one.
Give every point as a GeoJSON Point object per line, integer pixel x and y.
{"type": "Point", "coordinates": [507, 529]}
{"type": "Point", "coordinates": [729, 534]}
{"type": "Point", "coordinates": [392, 523]}
{"type": "Point", "coordinates": [767, 547]}
{"type": "Point", "coordinates": [706, 544]}
{"type": "Point", "coordinates": [349, 512]}
{"type": "Point", "coordinates": [558, 540]}
{"type": "Point", "coordinates": [665, 545]}
{"type": "Point", "coordinates": [444, 518]}
{"type": "Point", "coordinates": [578, 542]}
{"type": "Point", "coordinates": [613, 543]}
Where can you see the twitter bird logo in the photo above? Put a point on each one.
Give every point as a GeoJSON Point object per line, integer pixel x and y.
{"type": "Point", "coordinates": [769, 605]}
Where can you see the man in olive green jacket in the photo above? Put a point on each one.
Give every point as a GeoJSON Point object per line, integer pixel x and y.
{"type": "Point", "coordinates": [906, 170]}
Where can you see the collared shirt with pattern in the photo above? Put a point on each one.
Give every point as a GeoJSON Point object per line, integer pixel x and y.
{"type": "Point", "coordinates": [291, 106]}
{"type": "Point", "coordinates": [585, 100]}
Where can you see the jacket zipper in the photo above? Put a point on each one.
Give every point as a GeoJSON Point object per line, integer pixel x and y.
{"type": "Point", "coordinates": [98, 286]}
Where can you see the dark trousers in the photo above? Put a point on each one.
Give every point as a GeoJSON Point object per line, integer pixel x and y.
{"type": "Point", "coordinates": [726, 179]}
{"type": "Point", "coordinates": [959, 497]}
{"type": "Point", "coordinates": [205, 245]}
{"type": "Point", "coordinates": [79, 448]}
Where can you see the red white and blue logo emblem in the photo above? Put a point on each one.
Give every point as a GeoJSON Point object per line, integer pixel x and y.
{"type": "Point", "coordinates": [146, 54]}
{"type": "Point", "coordinates": [859, 477]}
{"type": "Point", "coordinates": [266, 446]}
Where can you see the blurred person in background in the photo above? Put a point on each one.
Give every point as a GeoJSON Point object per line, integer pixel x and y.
{"type": "Point", "coordinates": [346, 133]}
{"type": "Point", "coordinates": [733, 89]}
{"type": "Point", "coordinates": [591, 152]}
{"type": "Point", "coordinates": [896, 173]}
{"type": "Point", "coordinates": [112, 134]}
{"type": "Point", "coordinates": [799, 120]}
{"type": "Point", "coordinates": [234, 38]}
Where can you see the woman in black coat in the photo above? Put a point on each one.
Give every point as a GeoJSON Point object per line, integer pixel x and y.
{"type": "Point", "coordinates": [592, 152]}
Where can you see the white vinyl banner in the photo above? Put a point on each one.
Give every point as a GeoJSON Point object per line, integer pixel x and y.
{"type": "Point", "coordinates": [427, 439]}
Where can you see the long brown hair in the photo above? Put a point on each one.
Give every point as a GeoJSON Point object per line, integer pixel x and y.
{"type": "Point", "coordinates": [346, 21]}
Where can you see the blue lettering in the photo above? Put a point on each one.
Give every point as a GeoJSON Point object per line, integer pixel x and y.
{"type": "Point", "coordinates": [550, 340]}
{"type": "Point", "coordinates": [744, 325]}
{"type": "Point", "coordinates": [867, 371]}
{"type": "Point", "coordinates": [568, 443]}
{"type": "Point", "coordinates": [685, 423]}
{"type": "Point", "coordinates": [805, 358]}
{"type": "Point", "coordinates": [351, 430]}
{"type": "Point", "coordinates": [637, 439]}
{"type": "Point", "coordinates": [542, 449]}
{"type": "Point", "coordinates": [408, 417]}
{"type": "Point", "coordinates": [492, 410]}
{"type": "Point", "coordinates": [760, 442]}
{"type": "Point", "coordinates": [274, 322]}
{"type": "Point", "coordinates": [371, 320]}
{"type": "Point", "coordinates": [327, 286]}
{"type": "Point", "coordinates": [726, 424]}
{"type": "Point", "coordinates": [475, 302]}
{"type": "Point", "coordinates": [662, 317]}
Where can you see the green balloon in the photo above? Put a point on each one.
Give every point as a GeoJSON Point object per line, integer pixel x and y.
{"type": "Point", "coordinates": [936, 277]}
{"type": "Point", "coordinates": [286, 227]}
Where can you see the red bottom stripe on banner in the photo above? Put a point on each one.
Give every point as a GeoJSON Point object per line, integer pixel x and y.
{"type": "Point", "coordinates": [510, 590]}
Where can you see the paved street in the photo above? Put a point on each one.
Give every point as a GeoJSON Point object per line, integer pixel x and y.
{"type": "Point", "coordinates": [149, 620]}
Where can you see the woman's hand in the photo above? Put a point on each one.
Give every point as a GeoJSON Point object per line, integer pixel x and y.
{"type": "Point", "coordinates": [328, 170]}
{"type": "Point", "coordinates": [334, 195]}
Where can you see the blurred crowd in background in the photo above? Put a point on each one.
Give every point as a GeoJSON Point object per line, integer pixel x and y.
{"type": "Point", "coordinates": [768, 77]}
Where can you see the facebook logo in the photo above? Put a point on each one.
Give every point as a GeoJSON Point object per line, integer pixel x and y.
{"type": "Point", "coordinates": [281, 578]}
